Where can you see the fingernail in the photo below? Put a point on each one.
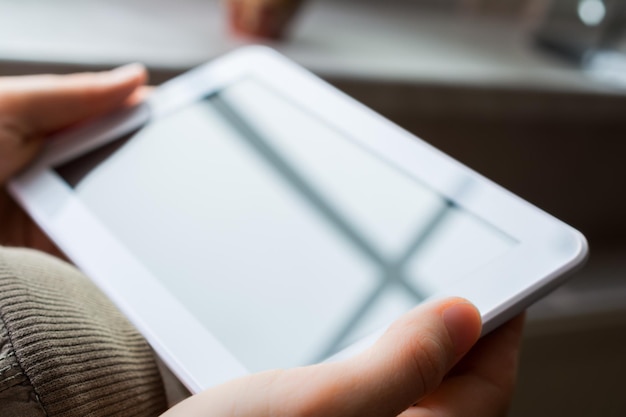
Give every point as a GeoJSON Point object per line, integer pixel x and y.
{"type": "Point", "coordinates": [128, 71]}
{"type": "Point", "coordinates": [462, 320]}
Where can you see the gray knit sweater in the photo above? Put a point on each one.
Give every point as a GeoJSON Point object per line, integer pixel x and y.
{"type": "Point", "coordinates": [65, 350]}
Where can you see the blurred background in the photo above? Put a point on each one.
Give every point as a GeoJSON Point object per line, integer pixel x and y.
{"type": "Point", "coordinates": [530, 93]}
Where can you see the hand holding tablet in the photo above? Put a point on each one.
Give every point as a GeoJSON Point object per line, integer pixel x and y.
{"type": "Point", "coordinates": [275, 222]}
{"type": "Point", "coordinates": [406, 366]}
{"type": "Point", "coordinates": [34, 107]}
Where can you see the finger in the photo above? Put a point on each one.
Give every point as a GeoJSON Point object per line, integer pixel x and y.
{"type": "Point", "coordinates": [35, 106]}
{"type": "Point", "coordinates": [406, 364]}
{"type": "Point", "coordinates": [139, 95]}
{"type": "Point", "coordinates": [408, 361]}
{"type": "Point", "coordinates": [482, 384]}
{"type": "Point", "coordinates": [45, 103]}
{"type": "Point", "coordinates": [502, 344]}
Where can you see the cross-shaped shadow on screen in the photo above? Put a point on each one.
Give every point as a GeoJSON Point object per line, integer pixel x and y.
{"type": "Point", "coordinates": [392, 271]}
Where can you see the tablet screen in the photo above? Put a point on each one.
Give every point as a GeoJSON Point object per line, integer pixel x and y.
{"type": "Point", "coordinates": [285, 237]}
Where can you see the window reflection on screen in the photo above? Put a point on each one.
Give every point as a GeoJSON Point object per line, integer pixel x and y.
{"type": "Point", "coordinates": [281, 234]}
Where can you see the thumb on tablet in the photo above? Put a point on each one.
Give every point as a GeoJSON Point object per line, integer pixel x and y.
{"type": "Point", "coordinates": [408, 362]}
{"type": "Point", "coordinates": [42, 104]}
{"type": "Point", "coordinates": [405, 365]}
{"type": "Point", "coordinates": [32, 107]}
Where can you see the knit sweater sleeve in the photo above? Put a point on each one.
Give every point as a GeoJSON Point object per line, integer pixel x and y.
{"type": "Point", "coordinates": [65, 349]}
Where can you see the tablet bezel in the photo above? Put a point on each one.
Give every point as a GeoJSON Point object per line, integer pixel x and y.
{"type": "Point", "coordinates": [546, 247]}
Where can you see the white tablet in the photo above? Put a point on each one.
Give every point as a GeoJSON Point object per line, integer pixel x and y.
{"type": "Point", "coordinates": [249, 216]}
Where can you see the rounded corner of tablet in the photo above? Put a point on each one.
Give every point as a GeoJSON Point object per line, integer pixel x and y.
{"type": "Point", "coordinates": [256, 51]}
{"type": "Point", "coordinates": [576, 247]}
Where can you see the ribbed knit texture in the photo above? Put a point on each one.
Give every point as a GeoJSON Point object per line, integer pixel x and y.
{"type": "Point", "coordinates": [78, 352]}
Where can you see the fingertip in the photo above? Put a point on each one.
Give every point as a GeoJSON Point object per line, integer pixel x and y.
{"type": "Point", "coordinates": [463, 323]}
{"type": "Point", "coordinates": [135, 73]}
{"type": "Point", "coordinates": [414, 355]}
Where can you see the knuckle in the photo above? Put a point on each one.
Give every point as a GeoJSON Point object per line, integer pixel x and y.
{"type": "Point", "coordinates": [426, 355]}
{"type": "Point", "coordinates": [431, 362]}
